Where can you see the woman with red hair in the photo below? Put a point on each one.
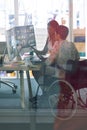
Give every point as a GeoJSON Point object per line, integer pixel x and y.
{"type": "Point", "coordinates": [52, 27]}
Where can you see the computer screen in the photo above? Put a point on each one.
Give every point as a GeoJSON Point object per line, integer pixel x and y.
{"type": "Point", "coordinates": [19, 40]}
{"type": "Point", "coordinates": [3, 46]}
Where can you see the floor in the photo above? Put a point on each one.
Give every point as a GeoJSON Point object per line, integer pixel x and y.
{"type": "Point", "coordinates": [10, 100]}
{"type": "Point", "coordinates": [12, 116]}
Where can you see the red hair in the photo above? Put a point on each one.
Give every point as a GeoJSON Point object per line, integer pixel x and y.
{"type": "Point", "coordinates": [54, 24]}
{"type": "Point", "coordinates": [63, 31]}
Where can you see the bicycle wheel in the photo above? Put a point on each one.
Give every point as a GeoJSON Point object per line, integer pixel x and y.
{"type": "Point", "coordinates": [62, 99]}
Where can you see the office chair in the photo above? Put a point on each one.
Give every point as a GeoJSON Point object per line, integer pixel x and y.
{"type": "Point", "coordinates": [3, 52]}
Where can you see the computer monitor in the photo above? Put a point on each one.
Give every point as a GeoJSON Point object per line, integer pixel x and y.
{"type": "Point", "coordinates": [19, 40]}
{"type": "Point", "coordinates": [3, 47]}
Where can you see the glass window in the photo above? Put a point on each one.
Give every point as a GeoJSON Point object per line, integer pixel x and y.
{"type": "Point", "coordinates": [38, 12]}
{"type": "Point", "coordinates": [79, 26]}
{"type": "Point", "coordinates": [6, 12]}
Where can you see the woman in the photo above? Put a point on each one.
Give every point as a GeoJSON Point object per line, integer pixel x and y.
{"type": "Point", "coordinates": [67, 50]}
{"type": "Point", "coordinates": [52, 27]}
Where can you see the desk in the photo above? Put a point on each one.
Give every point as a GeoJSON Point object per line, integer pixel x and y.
{"type": "Point", "coordinates": [21, 69]}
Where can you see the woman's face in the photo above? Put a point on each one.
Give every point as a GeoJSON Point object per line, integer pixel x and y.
{"type": "Point", "coordinates": [51, 30]}
{"type": "Point", "coordinates": [56, 36]}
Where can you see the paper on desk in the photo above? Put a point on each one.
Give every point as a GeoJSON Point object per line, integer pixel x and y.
{"type": "Point", "coordinates": [17, 63]}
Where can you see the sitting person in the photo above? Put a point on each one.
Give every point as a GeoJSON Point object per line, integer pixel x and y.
{"type": "Point", "coordinates": [52, 26]}
{"type": "Point", "coordinates": [66, 50]}
{"type": "Point", "coordinates": [55, 64]}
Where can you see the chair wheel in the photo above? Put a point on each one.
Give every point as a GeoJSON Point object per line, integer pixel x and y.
{"type": "Point", "coordinates": [15, 86]}
{"type": "Point", "coordinates": [14, 91]}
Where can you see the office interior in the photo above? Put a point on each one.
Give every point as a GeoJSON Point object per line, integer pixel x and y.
{"type": "Point", "coordinates": [17, 13]}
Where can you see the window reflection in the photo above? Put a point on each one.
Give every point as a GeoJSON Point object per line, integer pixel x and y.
{"type": "Point", "coordinates": [39, 12]}
{"type": "Point", "coordinates": [78, 14]}
{"type": "Point", "coordinates": [79, 35]}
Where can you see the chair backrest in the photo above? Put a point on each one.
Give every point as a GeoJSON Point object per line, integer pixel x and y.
{"type": "Point", "coordinates": [82, 70]}
{"type": "Point", "coordinates": [78, 75]}
{"type": "Point", "coordinates": [72, 66]}
{"type": "Point", "coordinates": [83, 64]}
